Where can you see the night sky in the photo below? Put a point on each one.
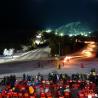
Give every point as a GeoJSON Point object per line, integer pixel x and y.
{"type": "Point", "coordinates": [19, 18]}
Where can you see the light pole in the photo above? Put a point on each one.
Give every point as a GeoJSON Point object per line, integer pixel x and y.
{"type": "Point", "coordinates": [59, 49]}
{"type": "Point", "coordinates": [61, 35]}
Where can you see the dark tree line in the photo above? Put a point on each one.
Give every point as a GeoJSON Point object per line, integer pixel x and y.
{"type": "Point", "coordinates": [63, 45]}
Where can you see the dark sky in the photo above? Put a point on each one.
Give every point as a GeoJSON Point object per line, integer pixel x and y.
{"type": "Point", "coordinates": [21, 17]}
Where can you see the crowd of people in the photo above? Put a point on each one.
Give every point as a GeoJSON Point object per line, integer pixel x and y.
{"type": "Point", "coordinates": [54, 85]}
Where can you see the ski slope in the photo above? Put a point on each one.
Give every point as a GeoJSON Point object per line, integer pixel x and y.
{"type": "Point", "coordinates": [36, 54]}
